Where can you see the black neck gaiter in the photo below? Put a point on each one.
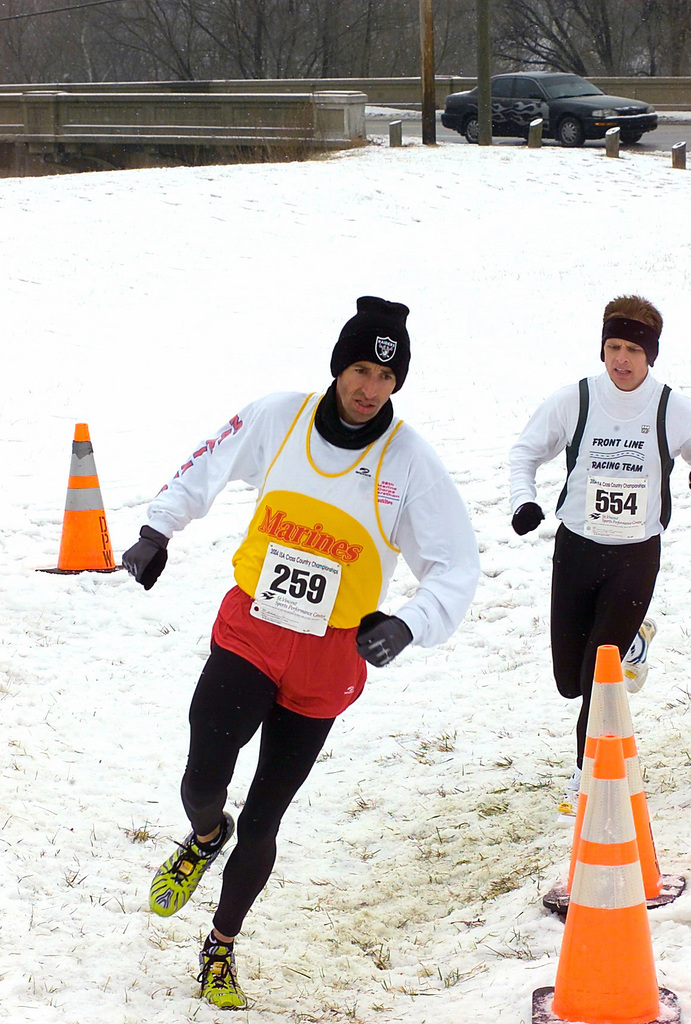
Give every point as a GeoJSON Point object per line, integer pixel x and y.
{"type": "Point", "coordinates": [328, 423]}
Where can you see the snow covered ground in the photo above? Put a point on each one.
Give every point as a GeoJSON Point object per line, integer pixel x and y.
{"type": "Point", "coordinates": [411, 868]}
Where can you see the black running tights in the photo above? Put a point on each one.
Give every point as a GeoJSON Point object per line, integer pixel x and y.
{"type": "Point", "coordinates": [231, 701]}
{"type": "Point", "coordinates": [600, 594]}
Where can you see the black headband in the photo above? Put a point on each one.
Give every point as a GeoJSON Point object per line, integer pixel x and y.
{"type": "Point", "coordinates": [632, 330]}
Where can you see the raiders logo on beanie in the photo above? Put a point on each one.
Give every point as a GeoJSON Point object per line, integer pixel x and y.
{"type": "Point", "coordinates": [376, 334]}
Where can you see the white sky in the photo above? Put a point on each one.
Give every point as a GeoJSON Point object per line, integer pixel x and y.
{"type": "Point", "coordinates": [151, 305]}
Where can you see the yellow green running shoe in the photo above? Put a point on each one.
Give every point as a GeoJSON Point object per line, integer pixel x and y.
{"type": "Point", "coordinates": [178, 877]}
{"type": "Point", "coordinates": [218, 976]}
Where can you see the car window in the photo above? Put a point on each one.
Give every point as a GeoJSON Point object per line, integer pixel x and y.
{"type": "Point", "coordinates": [501, 86]}
{"type": "Point", "coordinates": [527, 88]}
{"type": "Point", "coordinates": [570, 85]}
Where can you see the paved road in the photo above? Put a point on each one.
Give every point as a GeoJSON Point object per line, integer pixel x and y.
{"type": "Point", "coordinates": [662, 139]}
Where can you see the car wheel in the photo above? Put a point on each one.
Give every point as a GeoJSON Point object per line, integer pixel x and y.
{"type": "Point", "coordinates": [471, 128]}
{"type": "Point", "coordinates": [570, 132]}
{"type": "Point", "coordinates": [629, 138]}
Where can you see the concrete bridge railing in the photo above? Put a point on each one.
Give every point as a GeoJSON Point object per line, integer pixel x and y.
{"type": "Point", "coordinates": [41, 115]}
{"type": "Point", "coordinates": [126, 128]}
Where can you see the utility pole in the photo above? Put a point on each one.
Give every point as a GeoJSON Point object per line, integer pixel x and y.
{"type": "Point", "coordinates": [484, 94]}
{"type": "Point", "coordinates": [429, 97]}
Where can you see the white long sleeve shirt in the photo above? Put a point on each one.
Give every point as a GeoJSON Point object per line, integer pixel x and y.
{"type": "Point", "coordinates": [420, 508]}
{"type": "Point", "coordinates": [619, 443]}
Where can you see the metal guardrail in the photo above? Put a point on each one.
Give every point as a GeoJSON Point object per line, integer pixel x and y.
{"type": "Point", "coordinates": [379, 91]}
{"type": "Point", "coordinates": [669, 93]}
{"type": "Point", "coordinates": [663, 92]}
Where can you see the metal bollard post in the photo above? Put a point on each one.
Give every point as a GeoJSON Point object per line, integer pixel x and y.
{"type": "Point", "coordinates": [679, 155]}
{"type": "Point", "coordinates": [535, 133]}
{"type": "Point", "coordinates": [396, 133]}
{"type": "Point", "coordinates": [612, 142]}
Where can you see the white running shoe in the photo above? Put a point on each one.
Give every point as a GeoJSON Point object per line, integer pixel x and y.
{"type": "Point", "coordinates": [569, 801]}
{"type": "Point", "coordinates": [635, 664]}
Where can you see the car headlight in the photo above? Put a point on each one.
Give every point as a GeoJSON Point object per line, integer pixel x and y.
{"type": "Point", "coordinates": [604, 113]}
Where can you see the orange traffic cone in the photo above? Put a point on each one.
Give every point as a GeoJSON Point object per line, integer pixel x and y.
{"type": "Point", "coordinates": [610, 714]}
{"type": "Point", "coordinates": [606, 971]}
{"type": "Point", "coordinates": [85, 543]}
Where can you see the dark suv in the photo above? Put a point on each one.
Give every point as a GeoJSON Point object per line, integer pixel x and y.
{"type": "Point", "coordinates": [572, 109]}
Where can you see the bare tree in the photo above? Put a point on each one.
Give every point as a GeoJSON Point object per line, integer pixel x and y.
{"type": "Point", "coordinates": [165, 35]}
{"type": "Point", "coordinates": [455, 44]}
{"type": "Point", "coordinates": [590, 37]}
{"type": "Point", "coordinates": [24, 55]}
{"type": "Point", "coordinates": [132, 40]}
{"type": "Point", "coordinates": [666, 25]}
{"type": "Point", "coordinates": [539, 33]}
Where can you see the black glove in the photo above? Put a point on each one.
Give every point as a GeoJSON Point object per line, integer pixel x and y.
{"type": "Point", "coordinates": [146, 559]}
{"type": "Point", "coordinates": [380, 638]}
{"type": "Point", "coordinates": [527, 517]}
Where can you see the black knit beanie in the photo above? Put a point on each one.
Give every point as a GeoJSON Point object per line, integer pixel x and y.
{"type": "Point", "coordinates": [376, 334]}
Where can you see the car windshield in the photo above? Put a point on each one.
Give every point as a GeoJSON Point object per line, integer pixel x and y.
{"type": "Point", "coordinates": [570, 85]}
